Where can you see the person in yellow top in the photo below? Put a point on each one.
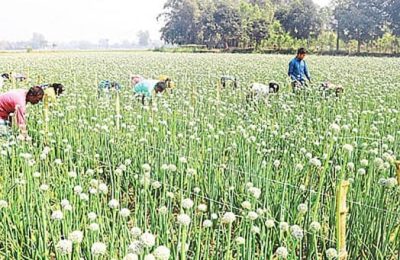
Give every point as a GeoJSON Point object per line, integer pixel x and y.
{"type": "Point", "coordinates": [51, 92]}
{"type": "Point", "coordinates": [170, 84]}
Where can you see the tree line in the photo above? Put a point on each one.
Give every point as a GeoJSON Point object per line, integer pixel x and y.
{"type": "Point", "coordinates": [279, 24]}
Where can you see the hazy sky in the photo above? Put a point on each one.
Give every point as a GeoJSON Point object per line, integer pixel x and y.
{"type": "Point", "coordinates": [66, 20]}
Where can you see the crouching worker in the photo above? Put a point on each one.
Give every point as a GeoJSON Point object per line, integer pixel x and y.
{"type": "Point", "coordinates": [168, 81]}
{"type": "Point", "coordinates": [226, 80]}
{"type": "Point", "coordinates": [329, 89]}
{"type": "Point", "coordinates": [14, 102]}
{"type": "Point", "coordinates": [148, 88]}
{"type": "Point", "coordinates": [260, 91]}
{"type": "Point", "coordinates": [107, 86]}
{"type": "Point", "coordinates": [52, 92]}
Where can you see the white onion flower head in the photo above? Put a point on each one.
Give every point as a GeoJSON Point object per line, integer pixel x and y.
{"type": "Point", "coordinates": [92, 216]}
{"type": "Point", "coordinates": [270, 223]}
{"type": "Point", "coordinates": [315, 226]}
{"type": "Point", "coordinates": [64, 203]}
{"type": "Point", "coordinates": [246, 205]}
{"type": "Point", "coordinates": [163, 210]}
{"type": "Point", "coordinates": [284, 226]}
{"type": "Point", "coordinates": [131, 256]}
{"type": "Point", "coordinates": [57, 215]}
{"type": "Point", "coordinates": [136, 232]}
{"type": "Point", "coordinates": [78, 189]}
{"type": "Point", "coordinates": [282, 252]}
{"type": "Point", "coordinates": [184, 220]}
{"type": "Point", "coordinates": [76, 236]}
{"type": "Point", "coordinates": [103, 188]}
{"type": "Point", "coordinates": [228, 218]}
{"type": "Point", "coordinates": [149, 257]}
{"type": "Point", "coordinates": [255, 229]}
{"type": "Point", "coordinates": [302, 208]}
{"type": "Point", "coordinates": [99, 248]}
{"type": "Point", "coordinates": [240, 240]}
{"type": "Point", "coordinates": [187, 203]}
{"type": "Point", "coordinates": [44, 187]}
{"type": "Point", "coordinates": [124, 212]}
{"type": "Point", "coordinates": [113, 204]}
{"type": "Point", "coordinates": [335, 128]}
{"type": "Point", "coordinates": [3, 204]}
{"type": "Point", "coordinates": [162, 253]}
{"type": "Point", "coordinates": [135, 247]}
{"type": "Point", "coordinates": [207, 223]}
{"type": "Point", "coordinates": [64, 246]}
{"type": "Point", "coordinates": [348, 148]}
{"type": "Point", "coordinates": [331, 253]}
{"type": "Point", "coordinates": [256, 192]}
{"type": "Point", "coordinates": [214, 216]}
{"type": "Point", "coordinates": [94, 227]}
{"type": "Point", "coordinates": [148, 239]}
{"type": "Point", "coordinates": [84, 196]}
{"type": "Point", "coordinates": [297, 232]}
{"type": "Point", "coordinates": [202, 207]}
{"type": "Point", "coordinates": [252, 215]}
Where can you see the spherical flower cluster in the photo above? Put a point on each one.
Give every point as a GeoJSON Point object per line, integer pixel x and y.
{"type": "Point", "coordinates": [282, 252]}
{"type": "Point", "coordinates": [256, 192]}
{"type": "Point", "coordinates": [124, 212]}
{"type": "Point", "coordinates": [136, 232]}
{"type": "Point", "coordinates": [113, 204]}
{"type": "Point", "coordinates": [246, 205]}
{"type": "Point", "coordinates": [187, 203]}
{"type": "Point", "coordinates": [3, 204]}
{"type": "Point", "coordinates": [297, 232]}
{"type": "Point", "coordinates": [98, 248]}
{"type": "Point", "coordinates": [207, 223]}
{"type": "Point", "coordinates": [348, 148]}
{"type": "Point", "coordinates": [252, 215]}
{"type": "Point", "coordinates": [302, 208]}
{"type": "Point", "coordinates": [76, 236]}
{"type": "Point", "coordinates": [162, 253]}
{"type": "Point", "coordinates": [202, 207]}
{"type": "Point", "coordinates": [240, 240]}
{"type": "Point", "coordinates": [57, 215]}
{"type": "Point", "coordinates": [64, 246]}
{"type": "Point", "coordinates": [270, 223]}
{"type": "Point", "coordinates": [331, 253]}
{"type": "Point", "coordinates": [315, 226]}
{"type": "Point", "coordinates": [228, 218]}
{"type": "Point", "coordinates": [147, 239]}
{"type": "Point", "coordinates": [183, 220]}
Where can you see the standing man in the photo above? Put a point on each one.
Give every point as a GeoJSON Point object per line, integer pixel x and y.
{"type": "Point", "coordinates": [14, 102]}
{"type": "Point", "coordinates": [298, 70]}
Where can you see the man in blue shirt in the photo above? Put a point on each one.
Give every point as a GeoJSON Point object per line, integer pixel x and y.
{"type": "Point", "coordinates": [298, 71]}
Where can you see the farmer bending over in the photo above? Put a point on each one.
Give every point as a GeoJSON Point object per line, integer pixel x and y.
{"type": "Point", "coordinates": [51, 92]}
{"type": "Point", "coordinates": [14, 102]}
{"type": "Point", "coordinates": [148, 87]}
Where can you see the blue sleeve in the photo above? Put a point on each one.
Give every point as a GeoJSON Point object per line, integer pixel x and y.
{"type": "Point", "coordinates": [306, 71]}
{"type": "Point", "coordinates": [291, 68]}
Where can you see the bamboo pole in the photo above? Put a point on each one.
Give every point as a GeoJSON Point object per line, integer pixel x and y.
{"type": "Point", "coordinates": [341, 214]}
{"type": "Point", "coordinates": [117, 109]}
{"type": "Point", "coordinates": [398, 171]}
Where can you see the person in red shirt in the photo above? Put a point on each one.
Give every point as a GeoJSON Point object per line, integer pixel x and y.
{"type": "Point", "coordinates": [14, 102]}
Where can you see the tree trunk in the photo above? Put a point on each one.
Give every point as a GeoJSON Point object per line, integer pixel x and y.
{"type": "Point", "coordinates": [337, 40]}
{"type": "Point", "coordinates": [358, 46]}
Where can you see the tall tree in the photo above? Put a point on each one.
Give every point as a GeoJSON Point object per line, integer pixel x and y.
{"type": "Point", "coordinates": [299, 18]}
{"type": "Point", "coordinates": [392, 8]}
{"type": "Point", "coordinates": [228, 23]}
{"type": "Point", "coordinates": [181, 22]}
{"type": "Point", "coordinates": [360, 20]}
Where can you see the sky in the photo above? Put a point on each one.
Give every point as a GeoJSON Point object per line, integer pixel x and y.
{"type": "Point", "coordinates": [91, 20]}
